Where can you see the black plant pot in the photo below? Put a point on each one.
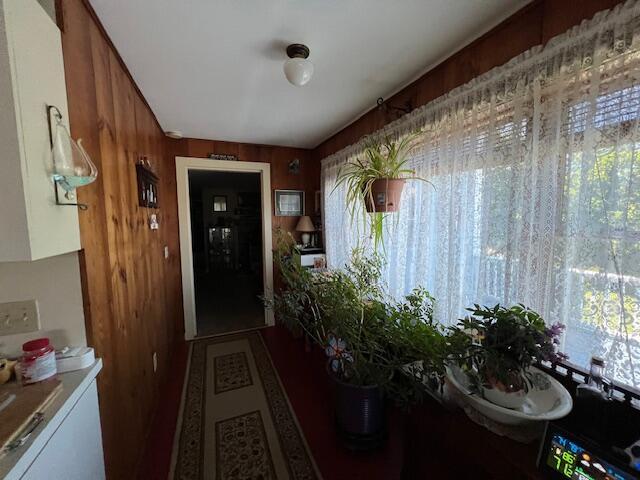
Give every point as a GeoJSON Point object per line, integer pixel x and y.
{"type": "Point", "coordinates": [360, 415]}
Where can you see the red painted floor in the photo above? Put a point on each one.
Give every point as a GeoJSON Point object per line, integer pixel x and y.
{"type": "Point", "coordinates": [308, 388]}
{"type": "Point", "coordinates": [156, 460]}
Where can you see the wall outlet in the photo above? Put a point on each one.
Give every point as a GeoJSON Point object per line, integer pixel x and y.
{"type": "Point", "coordinates": [155, 362]}
{"type": "Point", "coordinates": [19, 317]}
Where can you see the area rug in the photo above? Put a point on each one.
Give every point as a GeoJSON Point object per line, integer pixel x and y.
{"type": "Point", "coordinates": [237, 422]}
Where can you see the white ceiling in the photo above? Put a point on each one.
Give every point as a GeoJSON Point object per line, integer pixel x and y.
{"type": "Point", "coordinates": [213, 68]}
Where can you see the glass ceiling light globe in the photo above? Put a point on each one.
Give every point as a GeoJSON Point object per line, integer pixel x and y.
{"type": "Point", "coordinates": [298, 68]}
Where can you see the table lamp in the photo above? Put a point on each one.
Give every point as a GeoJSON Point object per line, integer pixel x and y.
{"type": "Point", "coordinates": [305, 225]}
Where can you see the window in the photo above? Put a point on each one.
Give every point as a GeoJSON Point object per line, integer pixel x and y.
{"type": "Point", "coordinates": [219, 203]}
{"type": "Point", "coordinates": [534, 198]}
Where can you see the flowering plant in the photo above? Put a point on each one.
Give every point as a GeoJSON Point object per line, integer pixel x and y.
{"type": "Point", "coordinates": [496, 346]}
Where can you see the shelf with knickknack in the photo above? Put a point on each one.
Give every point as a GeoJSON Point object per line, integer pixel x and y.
{"type": "Point", "coordinates": [147, 184]}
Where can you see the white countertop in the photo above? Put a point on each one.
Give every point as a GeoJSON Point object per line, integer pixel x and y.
{"type": "Point", "coordinates": [14, 464]}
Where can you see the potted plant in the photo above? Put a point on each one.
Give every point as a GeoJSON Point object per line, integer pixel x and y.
{"type": "Point", "coordinates": [375, 181]}
{"type": "Point", "coordinates": [496, 347]}
{"type": "Point", "coordinates": [377, 348]}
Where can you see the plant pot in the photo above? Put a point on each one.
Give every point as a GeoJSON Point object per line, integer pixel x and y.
{"type": "Point", "coordinates": [385, 195]}
{"type": "Point", "coordinates": [512, 400]}
{"type": "Point", "coordinates": [359, 414]}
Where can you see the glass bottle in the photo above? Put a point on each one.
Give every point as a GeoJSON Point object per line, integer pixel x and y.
{"type": "Point", "coordinates": [595, 386]}
{"type": "Point", "coordinates": [592, 403]}
{"type": "Point", "coordinates": [72, 166]}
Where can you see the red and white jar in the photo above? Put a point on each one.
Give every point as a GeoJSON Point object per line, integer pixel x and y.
{"type": "Point", "coordinates": [38, 361]}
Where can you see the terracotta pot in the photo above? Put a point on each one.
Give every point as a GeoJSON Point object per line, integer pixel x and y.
{"type": "Point", "coordinates": [386, 193]}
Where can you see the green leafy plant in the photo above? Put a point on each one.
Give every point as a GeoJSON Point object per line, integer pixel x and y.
{"type": "Point", "coordinates": [369, 338]}
{"type": "Point", "coordinates": [385, 159]}
{"type": "Point", "coordinates": [496, 346]}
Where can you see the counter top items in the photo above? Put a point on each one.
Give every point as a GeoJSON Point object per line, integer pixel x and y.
{"type": "Point", "coordinates": [74, 358]}
{"type": "Point", "coordinates": [22, 408]}
{"type": "Point", "coordinates": [38, 361]}
{"type": "Point", "coordinates": [6, 370]}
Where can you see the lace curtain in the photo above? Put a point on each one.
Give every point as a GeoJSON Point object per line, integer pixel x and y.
{"type": "Point", "coordinates": [534, 194]}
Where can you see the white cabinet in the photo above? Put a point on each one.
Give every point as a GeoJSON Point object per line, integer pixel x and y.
{"type": "Point", "coordinates": [74, 452]}
{"type": "Point", "coordinates": [67, 445]}
{"type": "Point", "coordinates": [32, 226]}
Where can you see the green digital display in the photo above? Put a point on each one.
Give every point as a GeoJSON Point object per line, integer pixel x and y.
{"type": "Point", "coordinates": [574, 462]}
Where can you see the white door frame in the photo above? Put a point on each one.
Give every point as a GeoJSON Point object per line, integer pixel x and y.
{"type": "Point", "coordinates": [183, 166]}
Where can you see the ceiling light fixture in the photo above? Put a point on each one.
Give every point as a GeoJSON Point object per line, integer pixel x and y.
{"type": "Point", "coordinates": [298, 68]}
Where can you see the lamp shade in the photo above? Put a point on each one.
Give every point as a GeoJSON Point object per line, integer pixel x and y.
{"type": "Point", "coordinates": [298, 68]}
{"type": "Point", "coordinates": [305, 224]}
{"type": "Point", "coordinates": [298, 71]}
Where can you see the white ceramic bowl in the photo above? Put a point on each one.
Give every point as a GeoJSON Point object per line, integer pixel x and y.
{"type": "Point", "coordinates": [541, 404]}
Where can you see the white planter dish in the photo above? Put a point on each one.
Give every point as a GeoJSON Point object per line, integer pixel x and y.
{"type": "Point", "coordinates": [512, 401]}
{"type": "Point", "coordinates": [540, 404]}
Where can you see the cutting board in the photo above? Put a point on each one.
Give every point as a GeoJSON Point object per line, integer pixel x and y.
{"type": "Point", "coordinates": [29, 400]}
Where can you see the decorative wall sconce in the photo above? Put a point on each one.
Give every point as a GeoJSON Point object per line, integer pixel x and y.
{"type": "Point", "coordinates": [72, 166]}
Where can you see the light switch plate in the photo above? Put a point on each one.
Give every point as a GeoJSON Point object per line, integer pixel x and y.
{"type": "Point", "coordinates": [19, 317]}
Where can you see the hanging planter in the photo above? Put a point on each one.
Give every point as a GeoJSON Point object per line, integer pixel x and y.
{"type": "Point", "coordinates": [375, 181]}
{"type": "Point", "coordinates": [385, 195]}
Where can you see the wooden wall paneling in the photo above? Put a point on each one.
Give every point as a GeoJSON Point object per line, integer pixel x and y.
{"type": "Point", "coordinates": [106, 345]}
{"type": "Point", "coordinates": [532, 25]}
{"type": "Point", "coordinates": [560, 16]}
{"type": "Point", "coordinates": [131, 293]}
{"type": "Point", "coordinates": [308, 179]}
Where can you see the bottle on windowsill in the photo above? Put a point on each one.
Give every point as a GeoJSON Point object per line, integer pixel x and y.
{"type": "Point", "coordinates": [594, 388]}
{"type": "Point", "coordinates": [592, 401]}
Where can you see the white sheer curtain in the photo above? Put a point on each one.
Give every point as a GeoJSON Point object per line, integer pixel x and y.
{"type": "Point", "coordinates": [535, 169]}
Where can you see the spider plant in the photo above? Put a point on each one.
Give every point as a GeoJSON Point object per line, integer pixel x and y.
{"type": "Point", "coordinates": [381, 159]}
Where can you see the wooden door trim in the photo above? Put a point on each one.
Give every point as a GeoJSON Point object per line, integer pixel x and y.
{"type": "Point", "coordinates": [183, 166]}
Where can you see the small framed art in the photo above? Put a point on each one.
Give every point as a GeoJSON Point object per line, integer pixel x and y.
{"type": "Point", "coordinates": [289, 203]}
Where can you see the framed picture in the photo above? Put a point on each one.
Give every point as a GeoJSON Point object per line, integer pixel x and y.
{"type": "Point", "coordinates": [219, 203]}
{"type": "Point", "coordinates": [289, 203]}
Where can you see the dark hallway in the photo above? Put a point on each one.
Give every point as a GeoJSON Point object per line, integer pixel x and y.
{"type": "Point", "coordinates": [227, 250]}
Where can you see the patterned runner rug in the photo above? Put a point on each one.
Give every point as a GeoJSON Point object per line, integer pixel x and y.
{"type": "Point", "coordinates": [237, 422]}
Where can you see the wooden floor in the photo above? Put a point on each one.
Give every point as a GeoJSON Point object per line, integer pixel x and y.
{"type": "Point", "coordinates": [307, 386]}
{"type": "Point", "coordinates": [228, 303]}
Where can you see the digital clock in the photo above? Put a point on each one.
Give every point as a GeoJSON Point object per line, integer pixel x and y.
{"type": "Point", "coordinates": [569, 457]}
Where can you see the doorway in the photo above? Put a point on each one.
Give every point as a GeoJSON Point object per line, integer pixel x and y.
{"type": "Point", "coordinates": [225, 242]}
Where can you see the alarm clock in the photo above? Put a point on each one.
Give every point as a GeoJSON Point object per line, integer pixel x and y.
{"type": "Point", "coordinates": [568, 456]}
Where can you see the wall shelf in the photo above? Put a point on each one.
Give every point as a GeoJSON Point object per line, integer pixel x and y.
{"type": "Point", "coordinates": [147, 186]}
